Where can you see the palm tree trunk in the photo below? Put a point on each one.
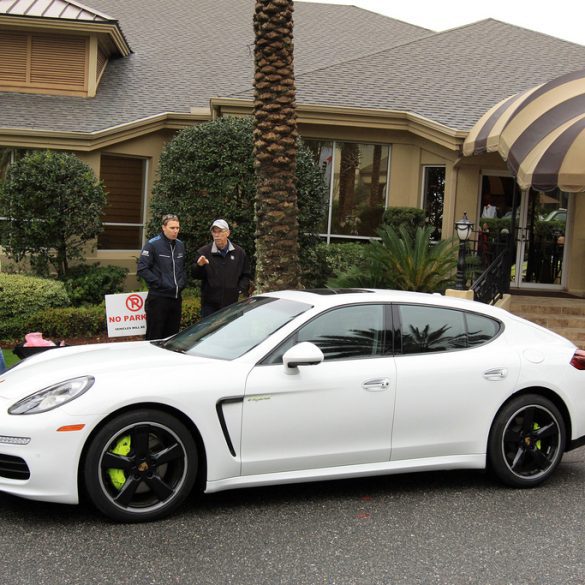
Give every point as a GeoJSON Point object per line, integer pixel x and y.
{"type": "Point", "coordinates": [275, 147]}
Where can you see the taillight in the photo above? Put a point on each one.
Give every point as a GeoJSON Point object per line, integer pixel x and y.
{"type": "Point", "coordinates": [578, 360]}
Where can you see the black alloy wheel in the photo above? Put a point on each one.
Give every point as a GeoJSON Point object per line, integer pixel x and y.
{"type": "Point", "coordinates": [140, 466]}
{"type": "Point", "coordinates": [527, 441]}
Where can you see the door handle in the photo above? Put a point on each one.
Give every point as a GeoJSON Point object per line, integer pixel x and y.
{"type": "Point", "coordinates": [376, 385]}
{"type": "Point", "coordinates": [495, 374]}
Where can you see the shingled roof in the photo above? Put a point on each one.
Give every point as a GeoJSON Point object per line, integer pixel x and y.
{"type": "Point", "coordinates": [187, 51]}
{"type": "Point", "coordinates": [452, 77]}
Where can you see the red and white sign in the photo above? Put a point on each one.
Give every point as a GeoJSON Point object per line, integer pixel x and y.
{"type": "Point", "coordinates": [125, 314]}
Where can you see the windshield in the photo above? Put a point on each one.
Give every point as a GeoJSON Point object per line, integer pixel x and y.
{"type": "Point", "coordinates": [233, 331]}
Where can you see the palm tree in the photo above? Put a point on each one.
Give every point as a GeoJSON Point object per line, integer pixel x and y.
{"type": "Point", "coordinates": [404, 262]}
{"type": "Point", "coordinates": [275, 147]}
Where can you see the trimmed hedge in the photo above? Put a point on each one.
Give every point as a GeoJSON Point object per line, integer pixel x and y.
{"type": "Point", "coordinates": [87, 284]}
{"type": "Point", "coordinates": [329, 260]}
{"type": "Point", "coordinates": [26, 295]}
{"type": "Point", "coordinates": [63, 323]}
{"type": "Point", "coordinates": [409, 217]}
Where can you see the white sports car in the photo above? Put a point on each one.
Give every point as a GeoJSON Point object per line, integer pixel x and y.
{"type": "Point", "coordinates": [291, 387]}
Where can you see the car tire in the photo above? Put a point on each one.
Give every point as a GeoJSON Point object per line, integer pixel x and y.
{"type": "Point", "coordinates": [527, 441]}
{"type": "Point", "coordinates": [140, 466]}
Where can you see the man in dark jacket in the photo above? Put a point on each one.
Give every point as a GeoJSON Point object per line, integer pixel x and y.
{"type": "Point", "coordinates": [162, 266]}
{"type": "Point", "coordinates": [223, 268]}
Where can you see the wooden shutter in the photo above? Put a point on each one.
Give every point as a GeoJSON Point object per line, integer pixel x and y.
{"type": "Point", "coordinates": [14, 55]}
{"type": "Point", "coordinates": [33, 62]}
{"type": "Point", "coordinates": [124, 181]}
{"type": "Point", "coordinates": [59, 61]}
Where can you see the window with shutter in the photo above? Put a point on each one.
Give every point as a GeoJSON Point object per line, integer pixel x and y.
{"type": "Point", "coordinates": [43, 63]}
{"type": "Point", "coordinates": [123, 219]}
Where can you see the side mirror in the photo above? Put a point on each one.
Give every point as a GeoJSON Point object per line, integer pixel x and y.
{"type": "Point", "coordinates": [302, 354]}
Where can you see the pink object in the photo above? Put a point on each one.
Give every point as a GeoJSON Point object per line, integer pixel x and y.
{"type": "Point", "coordinates": [36, 340]}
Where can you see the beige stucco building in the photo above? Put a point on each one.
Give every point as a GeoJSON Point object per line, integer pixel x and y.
{"type": "Point", "coordinates": [384, 105]}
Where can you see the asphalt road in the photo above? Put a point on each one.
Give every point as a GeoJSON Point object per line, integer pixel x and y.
{"type": "Point", "coordinates": [431, 528]}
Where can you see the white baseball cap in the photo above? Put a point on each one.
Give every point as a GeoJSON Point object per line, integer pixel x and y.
{"type": "Point", "coordinates": [222, 224]}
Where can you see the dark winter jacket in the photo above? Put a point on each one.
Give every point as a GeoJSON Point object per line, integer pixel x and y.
{"type": "Point", "coordinates": [162, 266]}
{"type": "Point", "coordinates": [225, 277]}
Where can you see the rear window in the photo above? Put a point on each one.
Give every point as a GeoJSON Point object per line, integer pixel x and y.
{"type": "Point", "coordinates": [427, 329]}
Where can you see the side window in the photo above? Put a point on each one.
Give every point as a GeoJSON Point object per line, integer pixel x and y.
{"type": "Point", "coordinates": [345, 333]}
{"type": "Point", "coordinates": [431, 329]}
{"type": "Point", "coordinates": [480, 329]}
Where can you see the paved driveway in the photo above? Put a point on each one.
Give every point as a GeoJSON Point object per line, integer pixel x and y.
{"type": "Point", "coordinates": [434, 528]}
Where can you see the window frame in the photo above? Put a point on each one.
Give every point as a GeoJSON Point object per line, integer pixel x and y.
{"type": "Point", "coordinates": [336, 146]}
{"type": "Point", "coordinates": [398, 337]}
{"type": "Point", "coordinates": [385, 345]}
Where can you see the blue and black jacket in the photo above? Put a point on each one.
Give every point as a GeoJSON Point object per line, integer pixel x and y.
{"type": "Point", "coordinates": [162, 266]}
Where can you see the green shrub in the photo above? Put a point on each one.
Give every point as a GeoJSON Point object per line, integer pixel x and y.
{"type": "Point", "coordinates": [58, 323]}
{"type": "Point", "coordinates": [191, 312]}
{"type": "Point", "coordinates": [54, 203]}
{"type": "Point", "coordinates": [403, 262]}
{"type": "Point", "coordinates": [409, 217]}
{"type": "Point", "coordinates": [87, 284]}
{"type": "Point", "coordinates": [329, 260]}
{"type": "Point", "coordinates": [26, 295]}
{"type": "Point", "coordinates": [63, 323]}
{"type": "Point", "coordinates": [207, 171]}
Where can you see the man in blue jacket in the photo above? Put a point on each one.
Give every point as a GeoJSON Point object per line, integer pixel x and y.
{"type": "Point", "coordinates": [162, 266]}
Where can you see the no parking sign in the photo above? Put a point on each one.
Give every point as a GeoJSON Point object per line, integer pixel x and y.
{"type": "Point", "coordinates": [125, 314]}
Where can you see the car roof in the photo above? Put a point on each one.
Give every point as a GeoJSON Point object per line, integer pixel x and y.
{"type": "Point", "coordinates": [324, 298]}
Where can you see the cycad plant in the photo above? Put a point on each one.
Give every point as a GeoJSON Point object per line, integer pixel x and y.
{"type": "Point", "coordinates": [400, 261]}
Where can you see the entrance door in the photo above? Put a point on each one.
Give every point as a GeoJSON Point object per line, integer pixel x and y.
{"type": "Point", "coordinates": [531, 221]}
{"type": "Point", "coordinates": [540, 237]}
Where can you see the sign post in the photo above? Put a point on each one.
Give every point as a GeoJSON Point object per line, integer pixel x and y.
{"type": "Point", "coordinates": [125, 314]}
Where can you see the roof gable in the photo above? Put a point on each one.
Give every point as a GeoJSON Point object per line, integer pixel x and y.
{"type": "Point", "coordinates": [63, 15]}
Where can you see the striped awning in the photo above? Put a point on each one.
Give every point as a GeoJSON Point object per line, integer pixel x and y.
{"type": "Point", "coordinates": [540, 133]}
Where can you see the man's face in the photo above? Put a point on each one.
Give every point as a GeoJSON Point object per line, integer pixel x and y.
{"type": "Point", "coordinates": [220, 237]}
{"type": "Point", "coordinates": [171, 229]}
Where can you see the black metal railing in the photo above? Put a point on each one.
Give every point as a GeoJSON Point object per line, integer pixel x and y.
{"type": "Point", "coordinates": [487, 266]}
{"type": "Point", "coordinates": [494, 281]}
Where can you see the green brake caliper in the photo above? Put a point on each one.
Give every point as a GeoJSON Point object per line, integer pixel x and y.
{"type": "Point", "coordinates": [117, 476]}
{"type": "Point", "coordinates": [535, 427]}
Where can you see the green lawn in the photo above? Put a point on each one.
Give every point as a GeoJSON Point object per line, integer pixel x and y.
{"type": "Point", "coordinates": [9, 357]}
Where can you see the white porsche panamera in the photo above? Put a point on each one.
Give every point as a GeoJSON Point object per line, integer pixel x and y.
{"type": "Point", "coordinates": [290, 387]}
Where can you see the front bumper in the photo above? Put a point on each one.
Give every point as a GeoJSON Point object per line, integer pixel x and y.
{"type": "Point", "coordinates": [37, 461]}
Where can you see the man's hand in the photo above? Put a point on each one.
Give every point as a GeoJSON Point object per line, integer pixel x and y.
{"type": "Point", "coordinates": [202, 261]}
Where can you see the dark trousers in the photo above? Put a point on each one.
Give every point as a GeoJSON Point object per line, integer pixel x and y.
{"type": "Point", "coordinates": [163, 316]}
{"type": "Point", "coordinates": [207, 309]}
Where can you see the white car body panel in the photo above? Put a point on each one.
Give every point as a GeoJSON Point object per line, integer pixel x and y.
{"type": "Point", "coordinates": [320, 416]}
{"type": "Point", "coordinates": [448, 426]}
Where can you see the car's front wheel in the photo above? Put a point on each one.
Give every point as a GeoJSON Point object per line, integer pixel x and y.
{"type": "Point", "coordinates": [140, 466]}
{"type": "Point", "coordinates": [527, 441]}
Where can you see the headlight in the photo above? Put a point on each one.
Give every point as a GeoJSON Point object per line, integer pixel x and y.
{"type": "Point", "coordinates": [53, 396]}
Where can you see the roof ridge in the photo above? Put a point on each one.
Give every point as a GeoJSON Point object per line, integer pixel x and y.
{"type": "Point", "coordinates": [434, 34]}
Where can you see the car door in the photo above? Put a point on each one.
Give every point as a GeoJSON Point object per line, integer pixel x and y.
{"type": "Point", "coordinates": [454, 369]}
{"type": "Point", "coordinates": [338, 412]}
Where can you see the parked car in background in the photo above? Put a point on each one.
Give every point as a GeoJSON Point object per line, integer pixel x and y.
{"type": "Point", "coordinates": [292, 386]}
{"type": "Point", "coordinates": [557, 215]}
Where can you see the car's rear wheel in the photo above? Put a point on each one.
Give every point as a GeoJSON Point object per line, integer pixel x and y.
{"type": "Point", "coordinates": [140, 466]}
{"type": "Point", "coordinates": [527, 441]}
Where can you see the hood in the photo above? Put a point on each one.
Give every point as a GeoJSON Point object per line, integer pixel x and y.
{"type": "Point", "coordinates": [56, 365]}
